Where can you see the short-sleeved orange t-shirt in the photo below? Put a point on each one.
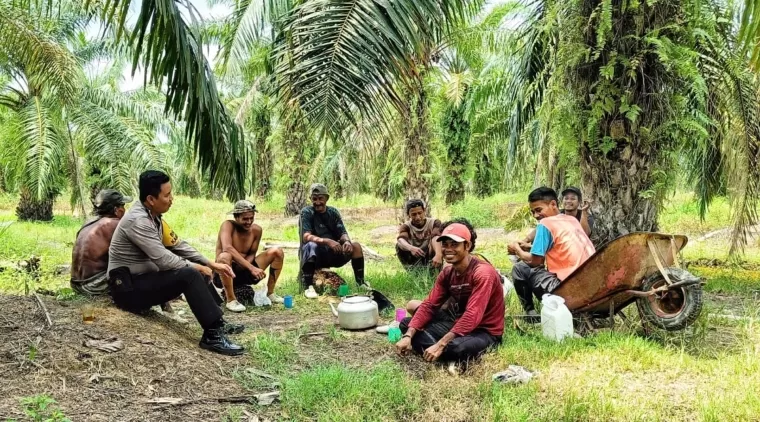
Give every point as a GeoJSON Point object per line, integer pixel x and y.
{"type": "Point", "coordinates": [570, 246]}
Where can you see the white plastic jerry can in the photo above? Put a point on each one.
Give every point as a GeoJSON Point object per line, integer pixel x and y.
{"type": "Point", "coordinates": [556, 319]}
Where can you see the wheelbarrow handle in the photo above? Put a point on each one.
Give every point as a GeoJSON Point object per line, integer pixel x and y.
{"type": "Point", "coordinates": [639, 293]}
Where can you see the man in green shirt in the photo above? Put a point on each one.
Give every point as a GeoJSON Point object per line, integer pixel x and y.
{"type": "Point", "coordinates": [325, 241]}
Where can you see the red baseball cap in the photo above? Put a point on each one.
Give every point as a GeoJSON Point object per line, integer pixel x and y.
{"type": "Point", "coordinates": [457, 232]}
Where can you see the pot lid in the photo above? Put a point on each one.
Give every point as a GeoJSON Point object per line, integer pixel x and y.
{"type": "Point", "coordinates": [356, 299]}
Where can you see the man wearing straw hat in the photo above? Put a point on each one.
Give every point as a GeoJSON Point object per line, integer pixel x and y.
{"type": "Point", "coordinates": [236, 246]}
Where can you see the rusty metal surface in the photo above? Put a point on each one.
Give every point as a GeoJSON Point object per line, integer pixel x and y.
{"type": "Point", "coordinates": [618, 266]}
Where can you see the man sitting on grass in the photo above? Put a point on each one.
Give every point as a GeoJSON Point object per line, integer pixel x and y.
{"type": "Point", "coordinates": [237, 245]}
{"type": "Point", "coordinates": [560, 243]}
{"type": "Point", "coordinates": [89, 259]}
{"type": "Point", "coordinates": [416, 244]}
{"type": "Point", "coordinates": [149, 265]}
{"type": "Point", "coordinates": [325, 241]}
{"type": "Point", "coordinates": [463, 315]}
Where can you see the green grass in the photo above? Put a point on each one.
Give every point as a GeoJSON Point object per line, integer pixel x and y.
{"type": "Point", "coordinates": [273, 351]}
{"type": "Point", "coordinates": [708, 373]}
{"type": "Point", "coordinates": [681, 215]}
{"type": "Point", "coordinates": [729, 280]}
{"type": "Point", "coordinates": [337, 393]}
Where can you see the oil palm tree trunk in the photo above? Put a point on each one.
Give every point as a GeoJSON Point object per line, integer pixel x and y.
{"type": "Point", "coordinates": [416, 142]}
{"type": "Point", "coordinates": [456, 137]}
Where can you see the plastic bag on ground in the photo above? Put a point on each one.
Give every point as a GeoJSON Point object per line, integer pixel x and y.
{"type": "Point", "coordinates": [506, 285]}
{"type": "Point", "coordinates": [260, 297]}
{"type": "Point", "coordinates": [514, 375]}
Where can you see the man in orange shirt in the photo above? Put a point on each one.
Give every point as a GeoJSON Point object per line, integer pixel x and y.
{"type": "Point", "coordinates": [560, 246]}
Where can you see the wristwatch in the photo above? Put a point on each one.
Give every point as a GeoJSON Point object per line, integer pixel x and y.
{"type": "Point", "coordinates": [406, 335]}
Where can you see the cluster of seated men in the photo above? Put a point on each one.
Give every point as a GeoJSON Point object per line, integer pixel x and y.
{"type": "Point", "coordinates": [135, 257]}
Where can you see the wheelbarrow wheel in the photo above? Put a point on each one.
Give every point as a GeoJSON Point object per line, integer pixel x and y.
{"type": "Point", "coordinates": [674, 309]}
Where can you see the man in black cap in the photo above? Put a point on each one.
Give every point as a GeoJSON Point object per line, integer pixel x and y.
{"type": "Point", "coordinates": [325, 241]}
{"type": "Point", "coordinates": [574, 205]}
{"type": "Point", "coordinates": [89, 259]}
{"type": "Point", "coordinates": [236, 245]}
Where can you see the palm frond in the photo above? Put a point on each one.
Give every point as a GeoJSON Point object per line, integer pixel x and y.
{"type": "Point", "coordinates": [749, 31]}
{"type": "Point", "coordinates": [45, 147]}
{"type": "Point", "coordinates": [239, 33]}
{"type": "Point", "coordinates": [344, 57]}
{"type": "Point", "coordinates": [47, 64]}
{"type": "Point", "coordinates": [171, 52]}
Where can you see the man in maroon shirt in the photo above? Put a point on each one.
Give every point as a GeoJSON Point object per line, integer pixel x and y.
{"type": "Point", "coordinates": [464, 314]}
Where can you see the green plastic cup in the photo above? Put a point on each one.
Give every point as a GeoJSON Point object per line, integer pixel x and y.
{"type": "Point", "coordinates": [394, 335]}
{"type": "Point", "coordinates": [343, 290]}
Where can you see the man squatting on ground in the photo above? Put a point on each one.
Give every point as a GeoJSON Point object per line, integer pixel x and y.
{"type": "Point", "coordinates": [560, 243]}
{"type": "Point", "coordinates": [416, 244]}
{"type": "Point", "coordinates": [463, 315]}
{"type": "Point", "coordinates": [325, 241]}
{"type": "Point", "coordinates": [149, 265]}
{"type": "Point", "coordinates": [236, 245]}
{"type": "Point", "coordinates": [89, 259]}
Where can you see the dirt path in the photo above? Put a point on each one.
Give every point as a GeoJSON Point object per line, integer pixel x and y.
{"type": "Point", "coordinates": [160, 359]}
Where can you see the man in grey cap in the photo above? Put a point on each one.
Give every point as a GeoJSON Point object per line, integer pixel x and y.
{"type": "Point", "coordinates": [325, 241]}
{"type": "Point", "coordinates": [236, 245]}
{"type": "Point", "coordinates": [89, 259]}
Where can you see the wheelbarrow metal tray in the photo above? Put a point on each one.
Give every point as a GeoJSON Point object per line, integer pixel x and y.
{"type": "Point", "coordinates": [602, 282]}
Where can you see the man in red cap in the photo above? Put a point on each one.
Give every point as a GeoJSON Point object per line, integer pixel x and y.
{"type": "Point", "coordinates": [463, 315]}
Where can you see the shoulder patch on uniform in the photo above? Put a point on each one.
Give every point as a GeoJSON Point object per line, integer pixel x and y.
{"type": "Point", "coordinates": [170, 238]}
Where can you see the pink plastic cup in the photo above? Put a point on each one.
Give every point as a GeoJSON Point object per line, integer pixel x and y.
{"type": "Point", "coordinates": [400, 314]}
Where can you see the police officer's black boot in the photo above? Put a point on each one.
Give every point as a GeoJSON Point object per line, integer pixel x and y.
{"type": "Point", "coordinates": [214, 340]}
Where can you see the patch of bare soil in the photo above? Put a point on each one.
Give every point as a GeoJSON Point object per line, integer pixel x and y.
{"type": "Point", "coordinates": [160, 359]}
{"type": "Point", "coordinates": [373, 214]}
{"type": "Point", "coordinates": [383, 231]}
{"type": "Point", "coordinates": [733, 304]}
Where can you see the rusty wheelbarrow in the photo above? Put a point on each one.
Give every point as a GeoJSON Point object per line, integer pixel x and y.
{"type": "Point", "coordinates": [638, 267]}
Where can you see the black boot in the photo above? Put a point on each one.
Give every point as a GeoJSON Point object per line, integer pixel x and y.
{"type": "Point", "coordinates": [214, 340]}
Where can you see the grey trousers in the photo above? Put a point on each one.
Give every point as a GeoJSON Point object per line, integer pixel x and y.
{"type": "Point", "coordinates": [532, 281]}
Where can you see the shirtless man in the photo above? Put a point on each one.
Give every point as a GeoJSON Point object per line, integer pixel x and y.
{"type": "Point", "coordinates": [236, 246]}
{"type": "Point", "coordinates": [89, 259]}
